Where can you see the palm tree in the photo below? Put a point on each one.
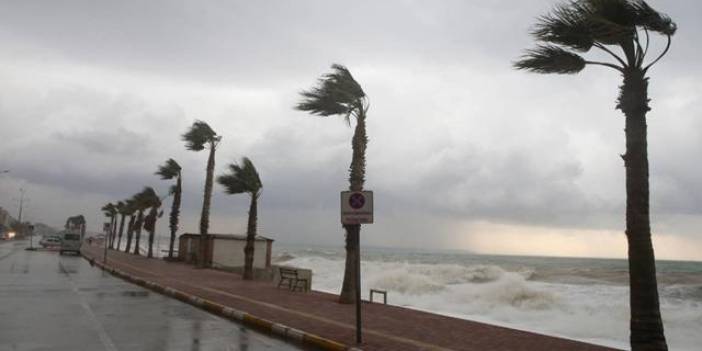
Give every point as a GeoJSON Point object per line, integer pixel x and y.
{"type": "Point", "coordinates": [152, 202]}
{"type": "Point", "coordinates": [110, 211]}
{"type": "Point", "coordinates": [197, 138]}
{"type": "Point", "coordinates": [117, 207]}
{"type": "Point", "coordinates": [169, 170]}
{"type": "Point", "coordinates": [121, 210]}
{"type": "Point", "coordinates": [131, 212]}
{"type": "Point", "coordinates": [244, 178]}
{"type": "Point", "coordinates": [579, 26]}
{"type": "Point", "coordinates": [338, 94]}
{"type": "Point", "coordinates": [141, 203]}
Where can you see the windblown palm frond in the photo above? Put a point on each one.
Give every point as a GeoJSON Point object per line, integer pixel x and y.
{"type": "Point", "coordinates": [120, 207]}
{"type": "Point", "coordinates": [129, 207]}
{"type": "Point", "coordinates": [169, 170]}
{"type": "Point", "coordinates": [337, 93]}
{"type": "Point", "coordinates": [109, 210]}
{"type": "Point", "coordinates": [199, 135]}
{"type": "Point", "coordinates": [149, 198]}
{"type": "Point", "coordinates": [580, 25]}
{"type": "Point", "coordinates": [242, 178]}
{"type": "Point", "coordinates": [653, 20]}
{"type": "Point", "coordinates": [551, 59]}
{"type": "Point", "coordinates": [566, 26]}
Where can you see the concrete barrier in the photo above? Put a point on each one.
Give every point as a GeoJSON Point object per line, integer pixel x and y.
{"type": "Point", "coordinates": [302, 273]}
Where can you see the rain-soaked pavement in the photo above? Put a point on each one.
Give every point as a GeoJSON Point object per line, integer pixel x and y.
{"type": "Point", "coordinates": [52, 302]}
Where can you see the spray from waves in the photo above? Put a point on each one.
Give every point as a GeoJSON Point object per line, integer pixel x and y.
{"type": "Point", "coordinates": [282, 257]}
{"type": "Point", "coordinates": [487, 283]}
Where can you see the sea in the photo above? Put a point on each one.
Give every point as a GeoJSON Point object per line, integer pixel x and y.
{"type": "Point", "coordinates": [583, 299]}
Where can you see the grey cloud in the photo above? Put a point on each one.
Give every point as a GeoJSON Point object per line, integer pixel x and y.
{"type": "Point", "coordinates": [108, 143]}
{"type": "Point", "coordinates": [455, 133]}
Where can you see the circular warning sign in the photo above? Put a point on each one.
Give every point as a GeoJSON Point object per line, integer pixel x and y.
{"type": "Point", "coordinates": [357, 201]}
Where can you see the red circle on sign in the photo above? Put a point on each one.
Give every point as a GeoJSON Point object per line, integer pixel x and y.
{"type": "Point", "coordinates": [357, 201]}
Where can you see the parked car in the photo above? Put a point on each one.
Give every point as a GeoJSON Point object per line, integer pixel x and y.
{"type": "Point", "coordinates": [50, 241]}
{"type": "Point", "coordinates": [70, 242]}
{"type": "Point", "coordinates": [7, 235]}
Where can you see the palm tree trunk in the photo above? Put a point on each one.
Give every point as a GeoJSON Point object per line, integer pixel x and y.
{"type": "Point", "coordinates": [205, 216]}
{"type": "Point", "coordinates": [139, 224]}
{"type": "Point", "coordinates": [121, 231]}
{"type": "Point", "coordinates": [152, 231]}
{"type": "Point", "coordinates": [130, 233]}
{"type": "Point", "coordinates": [646, 324]}
{"type": "Point", "coordinates": [113, 231]}
{"type": "Point", "coordinates": [175, 212]}
{"type": "Point", "coordinates": [357, 174]}
{"type": "Point", "coordinates": [250, 238]}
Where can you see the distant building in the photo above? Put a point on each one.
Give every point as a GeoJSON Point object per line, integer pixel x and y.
{"type": "Point", "coordinates": [5, 219]}
{"type": "Point", "coordinates": [224, 250]}
{"type": "Point", "coordinates": [6, 222]}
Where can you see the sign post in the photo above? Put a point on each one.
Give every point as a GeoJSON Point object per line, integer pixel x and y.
{"type": "Point", "coordinates": [357, 209]}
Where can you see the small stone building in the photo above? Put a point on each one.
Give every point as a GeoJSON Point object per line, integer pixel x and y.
{"type": "Point", "coordinates": [224, 250]}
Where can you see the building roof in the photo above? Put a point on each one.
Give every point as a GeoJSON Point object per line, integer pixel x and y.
{"type": "Point", "coordinates": [228, 236]}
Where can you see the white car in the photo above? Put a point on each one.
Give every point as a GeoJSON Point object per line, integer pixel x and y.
{"type": "Point", "coordinates": [50, 241]}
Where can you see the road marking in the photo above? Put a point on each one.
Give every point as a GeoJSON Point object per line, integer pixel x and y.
{"type": "Point", "coordinates": [303, 314]}
{"type": "Point", "coordinates": [99, 328]}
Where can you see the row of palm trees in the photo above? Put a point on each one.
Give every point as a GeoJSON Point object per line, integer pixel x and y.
{"type": "Point", "coordinates": [572, 28]}
{"type": "Point", "coordinates": [142, 208]}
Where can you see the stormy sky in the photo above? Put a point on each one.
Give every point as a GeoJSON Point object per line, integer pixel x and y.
{"type": "Point", "coordinates": [465, 152]}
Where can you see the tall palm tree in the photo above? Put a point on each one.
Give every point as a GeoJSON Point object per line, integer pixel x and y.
{"type": "Point", "coordinates": [122, 210]}
{"type": "Point", "coordinates": [131, 211]}
{"type": "Point", "coordinates": [141, 203]}
{"type": "Point", "coordinates": [243, 178]}
{"type": "Point", "coordinates": [338, 94]}
{"type": "Point", "coordinates": [199, 137]}
{"type": "Point", "coordinates": [169, 170]}
{"type": "Point", "coordinates": [577, 27]}
{"type": "Point", "coordinates": [110, 211]}
{"type": "Point", "coordinates": [152, 202]}
{"type": "Point", "coordinates": [113, 237]}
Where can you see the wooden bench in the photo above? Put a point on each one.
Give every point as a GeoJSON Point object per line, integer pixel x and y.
{"type": "Point", "coordinates": [289, 277]}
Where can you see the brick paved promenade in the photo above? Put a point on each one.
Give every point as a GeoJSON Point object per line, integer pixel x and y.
{"type": "Point", "coordinates": [385, 327]}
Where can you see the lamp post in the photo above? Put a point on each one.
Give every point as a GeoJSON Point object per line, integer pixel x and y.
{"type": "Point", "coordinates": [19, 217]}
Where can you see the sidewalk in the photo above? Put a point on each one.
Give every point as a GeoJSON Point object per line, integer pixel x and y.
{"type": "Point", "coordinates": [385, 327]}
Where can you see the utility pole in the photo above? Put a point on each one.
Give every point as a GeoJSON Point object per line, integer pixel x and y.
{"type": "Point", "coordinates": [19, 217]}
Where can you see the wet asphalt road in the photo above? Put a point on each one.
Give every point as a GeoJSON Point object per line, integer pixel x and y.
{"type": "Point", "coordinates": [52, 302]}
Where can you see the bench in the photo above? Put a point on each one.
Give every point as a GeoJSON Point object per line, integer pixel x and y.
{"type": "Point", "coordinates": [289, 277]}
{"type": "Point", "coordinates": [380, 292]}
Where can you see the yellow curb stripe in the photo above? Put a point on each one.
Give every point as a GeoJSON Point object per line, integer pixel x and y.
{"type": "Point", "coordinates": [323, 343]}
